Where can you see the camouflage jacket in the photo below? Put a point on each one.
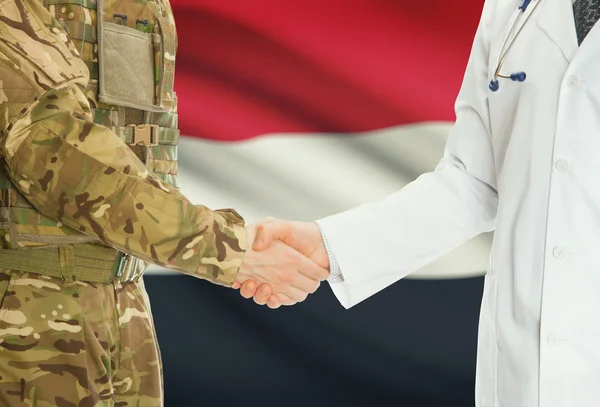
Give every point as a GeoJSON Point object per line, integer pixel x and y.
{"type": "Point", "coordinates": [80, 173]}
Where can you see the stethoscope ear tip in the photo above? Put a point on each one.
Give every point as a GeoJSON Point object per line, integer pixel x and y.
{"type": "Point", "coordinates": [518, 76]}
{"type": "Point", "coordinates": [494, 85]}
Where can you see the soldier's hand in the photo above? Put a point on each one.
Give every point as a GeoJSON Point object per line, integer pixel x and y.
{"type": "Point", "coordinates": [286, 273]}
{"type": "Point", "coordinates": [302, 236]}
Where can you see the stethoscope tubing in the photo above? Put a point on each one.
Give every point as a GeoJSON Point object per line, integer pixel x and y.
{"type": "Point", "coordinates": [505, 50]}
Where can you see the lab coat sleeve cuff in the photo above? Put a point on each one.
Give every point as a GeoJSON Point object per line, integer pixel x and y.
{"type": "Point", "coordinates": [335, 273]}
{"type": "Point", "coordinates": [352, 285]}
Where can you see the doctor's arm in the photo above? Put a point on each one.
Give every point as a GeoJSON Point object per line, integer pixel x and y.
{"type": "Point", "coordinates": [377, 244]}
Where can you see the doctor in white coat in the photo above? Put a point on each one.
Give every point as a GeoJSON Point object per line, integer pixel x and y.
{"type": "Point", "coordinates": [523, 160]}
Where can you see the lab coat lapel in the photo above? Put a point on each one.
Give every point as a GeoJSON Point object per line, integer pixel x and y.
{"type": "Point", "coordinates": [555, 18]}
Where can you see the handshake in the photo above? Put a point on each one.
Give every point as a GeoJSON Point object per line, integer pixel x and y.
{"type": "Point", "coordinates": [284, 262]}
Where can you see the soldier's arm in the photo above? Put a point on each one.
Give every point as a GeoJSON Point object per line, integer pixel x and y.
{"type": "Point", "coordinates": [82, 174]}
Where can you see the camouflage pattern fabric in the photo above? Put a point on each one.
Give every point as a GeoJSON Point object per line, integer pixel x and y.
{"type": "Point", "coordinates": [82, 344]}
{"type": "Point", "coordinates": [76, 346]}
{"type": "Point", "coordinates": [80, 174]}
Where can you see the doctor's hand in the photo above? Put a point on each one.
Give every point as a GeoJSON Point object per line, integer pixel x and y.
{"type": "Point", "coordinates": [304, 237]}
{"type": "Point", "coordinates": [287, 273]}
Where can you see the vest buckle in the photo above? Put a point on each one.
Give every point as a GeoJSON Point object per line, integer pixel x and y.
{"type": "Point", "coordinates": [144, 134]}
{"type": "Point", "coordinates": [127, 268]}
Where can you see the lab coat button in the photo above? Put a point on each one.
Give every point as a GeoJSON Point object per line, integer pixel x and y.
{"type": "Point", "coordinates": [572, 81]}
{"type": "Point", "coordinates": [562, 165]}
{"type": "Point", "coordinates": [553, 339]}
{"type": "Point", "coordinates": [559, 252]}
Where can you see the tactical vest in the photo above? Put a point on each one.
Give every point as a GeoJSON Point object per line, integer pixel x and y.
{"type": "Point", "coordinates": [131, 94]}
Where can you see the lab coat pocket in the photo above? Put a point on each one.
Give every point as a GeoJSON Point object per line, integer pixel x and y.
{"type": "Point", "coordinates": [485, 382]}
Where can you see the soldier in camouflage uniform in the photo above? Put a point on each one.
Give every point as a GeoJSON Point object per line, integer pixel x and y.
{"type": "Point", "coordinates": [88, 197]}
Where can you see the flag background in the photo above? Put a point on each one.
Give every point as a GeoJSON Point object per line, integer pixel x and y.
{"type": "Point", "coordinates": [299, 109]}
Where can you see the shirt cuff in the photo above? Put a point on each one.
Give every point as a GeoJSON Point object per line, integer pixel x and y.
{"type": "Point", "coordinates": [335, 274]}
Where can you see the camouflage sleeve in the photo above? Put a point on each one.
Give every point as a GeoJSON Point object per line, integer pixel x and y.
{"type": "Point", "coordinates": [82, 174]}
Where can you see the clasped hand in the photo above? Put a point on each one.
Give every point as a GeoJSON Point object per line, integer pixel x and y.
{"type": "Point", "coordinates": [284, 262]}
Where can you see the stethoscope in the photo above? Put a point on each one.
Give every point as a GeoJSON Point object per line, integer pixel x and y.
{"type": "Point", "coordinates": [515, 76]}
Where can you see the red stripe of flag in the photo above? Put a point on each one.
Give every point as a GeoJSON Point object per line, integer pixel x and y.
{"type": "Point", "coordinates": [250, 67]}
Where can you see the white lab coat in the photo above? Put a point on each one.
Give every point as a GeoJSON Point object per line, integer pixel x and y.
{"type": "Point", "coordinates": [524, 161]}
